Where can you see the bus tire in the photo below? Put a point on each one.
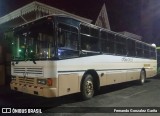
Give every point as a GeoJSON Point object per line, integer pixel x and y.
{"type": "Point", "coordinates": [142, 77]}
{"type": "Point", "coordinates": [87, 88]}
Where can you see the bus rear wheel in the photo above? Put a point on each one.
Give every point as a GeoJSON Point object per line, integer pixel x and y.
{"type": "Point", "coordinates": [142, 77]}
{"type": "Point", "coordinates": [87, 89]}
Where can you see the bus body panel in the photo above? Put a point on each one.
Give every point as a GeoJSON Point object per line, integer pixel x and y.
{"type": "Point", "coordinates": [116, 70]}
{"type": "Point", "coordinates": [67, 74]}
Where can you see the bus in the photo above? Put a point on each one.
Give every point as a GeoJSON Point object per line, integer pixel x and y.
{"type": "Point", "coordinates": [57, 55]}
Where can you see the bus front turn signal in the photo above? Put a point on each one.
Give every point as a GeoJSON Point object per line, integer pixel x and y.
{"type": "Point", "coordinates": [49, 82]}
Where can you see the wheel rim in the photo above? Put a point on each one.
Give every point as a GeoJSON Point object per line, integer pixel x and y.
{"type": "Point", "coordinates": [89, 87]}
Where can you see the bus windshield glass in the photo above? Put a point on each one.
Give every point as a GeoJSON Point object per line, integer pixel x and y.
{"type": "Point", "coordinates": [67, 41]}
{"type": "Point", "coordinates": [34, 42]}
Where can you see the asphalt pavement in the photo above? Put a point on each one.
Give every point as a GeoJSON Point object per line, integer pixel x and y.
{"type": "Point", "coordinates": [111, 100]}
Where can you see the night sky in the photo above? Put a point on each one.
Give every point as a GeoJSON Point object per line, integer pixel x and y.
{"type": "Point", "coordinates": [124, 15]}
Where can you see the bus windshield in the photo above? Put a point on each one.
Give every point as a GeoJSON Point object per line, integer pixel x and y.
{"type": "Point", "coordinates": [35, 42]}
{"type": "Point", "coordinates": [67, 41]}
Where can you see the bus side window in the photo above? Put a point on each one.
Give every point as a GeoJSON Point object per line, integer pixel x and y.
{"type": "Point", "coordinates": [89, 38]}
{"type": "Point", "coordinates": [139, 49]}
{"type": "Point", "coordinates": [152, 53]}
{"type": "Point", "coordinates": [120, 45]}
{"type": "Point", "coordinates": [131, 48]}
{"type": "Point", "coordinates": [146, 51]}
{"type": "Point", "coordinates": [107, 42]}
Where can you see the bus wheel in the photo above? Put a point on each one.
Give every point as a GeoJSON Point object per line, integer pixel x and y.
{"type": "Point", "coordinates": [142, 77]}
{"type": "Point", "coordinates": [87, 90]}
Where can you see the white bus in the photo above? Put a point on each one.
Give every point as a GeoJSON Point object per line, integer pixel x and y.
{"type": "Point", "coordinates": [58, 55]}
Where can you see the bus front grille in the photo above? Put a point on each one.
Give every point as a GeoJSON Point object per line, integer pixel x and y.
{"type": "Point", "coordinates": [28, 71]}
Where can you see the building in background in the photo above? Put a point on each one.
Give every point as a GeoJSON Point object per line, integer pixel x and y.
{"type": "Point", "coordinates": [30, 12]}
{"type": "Point", "coordinates": [131, 35]}
{"type": "Point", "coordinates": [102, 19]}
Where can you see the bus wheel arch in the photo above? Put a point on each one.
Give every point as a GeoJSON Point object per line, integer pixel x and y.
{"type": "Point", "coordinates": [90, 76]}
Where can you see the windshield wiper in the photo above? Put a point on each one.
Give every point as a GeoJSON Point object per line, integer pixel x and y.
{"type": "Point", "coordinates": [17, 59]}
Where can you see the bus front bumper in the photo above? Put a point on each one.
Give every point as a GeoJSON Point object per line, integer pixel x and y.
{"type": "Point", "coordinates": [34, 90]}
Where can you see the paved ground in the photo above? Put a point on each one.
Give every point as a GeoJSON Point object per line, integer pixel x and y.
{"type": "Point", "coordinates": [110, 98]}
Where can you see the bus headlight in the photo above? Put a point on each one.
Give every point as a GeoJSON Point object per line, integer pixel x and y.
{"type": "Point", "coordinates": [41, 81]}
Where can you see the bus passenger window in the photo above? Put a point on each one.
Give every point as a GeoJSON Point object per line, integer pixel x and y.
{"type": "Point", "coordinates": [131, 48]}
{"type": "Point", "coordinates": [89, 38]}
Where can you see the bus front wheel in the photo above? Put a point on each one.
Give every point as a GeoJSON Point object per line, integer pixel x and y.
{"type": "Point", "coordinates": [87, 89]}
